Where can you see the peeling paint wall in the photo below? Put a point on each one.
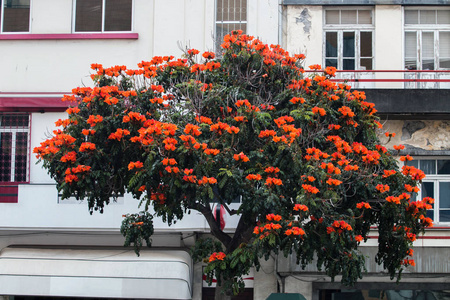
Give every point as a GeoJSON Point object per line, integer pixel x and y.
{"type": "Point", "coordinates": [304, 32]}
{"type": "Point", "coordinates": [428, 135]}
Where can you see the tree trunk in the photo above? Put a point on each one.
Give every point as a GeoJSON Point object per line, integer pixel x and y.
{"type": "Point", "coordinates": [219, 295]}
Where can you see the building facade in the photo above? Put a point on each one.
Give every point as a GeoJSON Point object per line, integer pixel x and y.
{"type": "Point", "coordinates": [398, 51]}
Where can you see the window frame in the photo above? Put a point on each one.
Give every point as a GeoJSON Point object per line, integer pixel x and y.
{"type": "Point", "coordinates": [419, 29]}
{"type": "Point", "coordinates": [217, 23]}
{"type": "Point", "coordinates": [102, 31]}
{"type": "Point", "coordinates": [2, 10]}
{"type": "Point", "coordinates": [340, 29]}
{"type": "Point", "coordinates": [14, 130]}
{"type": "Point", "coordinates": [436, 179]}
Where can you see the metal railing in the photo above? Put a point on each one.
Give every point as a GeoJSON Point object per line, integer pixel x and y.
{"type": "Point", "coordinates": [394, 79]}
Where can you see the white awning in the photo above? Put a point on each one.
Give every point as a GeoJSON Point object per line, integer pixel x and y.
{"type": "Point", "coordinates": [155, 274]}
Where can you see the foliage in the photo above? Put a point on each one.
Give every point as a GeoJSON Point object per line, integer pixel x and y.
{"type": "Point", "coordinates": [300, 152]}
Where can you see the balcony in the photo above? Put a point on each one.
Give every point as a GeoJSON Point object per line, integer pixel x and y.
{"type": "Point", "coordinates": [411, 94]}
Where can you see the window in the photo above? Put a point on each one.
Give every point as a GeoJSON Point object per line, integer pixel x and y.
{"type": "Point", "coordinates": [427, 39]}
{"type": "Point", "coordinates": [14, 145]}
{"type": "Point", "coordinates": [103, 15]}
{"type": "Point", "coordinates": [230, 15]}
{"type": "Point", "coordinates": [15, 15]}
{"type": "Point", "coordinates": [436, 185]}
{"type": "Point", "coordinates": [348, 38]}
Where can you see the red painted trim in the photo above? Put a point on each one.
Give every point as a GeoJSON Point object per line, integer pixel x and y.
{"type": "Point", "coordinates": [32, 104]}
{"type": "Point", "coordinates": [9, 194]}
{"type": "Point", "coordinates": [69, 36]}
{"type": "Point", "coordinates": [420, 237]}
{"type": "Point", "coordinates": [383, 71]}
{"type": "Point", "coordinates": [34, 93]}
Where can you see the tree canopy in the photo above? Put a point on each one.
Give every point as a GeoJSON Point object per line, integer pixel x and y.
{"type": "Point", "coordinates": [298, 151]}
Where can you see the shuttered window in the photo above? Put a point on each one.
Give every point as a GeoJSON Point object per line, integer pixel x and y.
{"type": "Point", "coordinates": [427, 39]}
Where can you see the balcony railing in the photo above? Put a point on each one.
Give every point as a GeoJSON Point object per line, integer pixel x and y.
{"type": "Point", "coordinates": [394, 79]}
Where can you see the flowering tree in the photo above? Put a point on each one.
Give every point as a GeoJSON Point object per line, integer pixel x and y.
{"type": "Point", "coordinates": [301, 154]}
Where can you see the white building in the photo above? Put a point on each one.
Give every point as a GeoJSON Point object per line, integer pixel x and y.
{"type": "Point", "coordinates": [53, 248]}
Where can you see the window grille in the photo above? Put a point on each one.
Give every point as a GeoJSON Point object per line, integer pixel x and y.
{"type": "Point", "coordinates": [14, 147]}
{"type": "Point", "coordinates": [230, 15]}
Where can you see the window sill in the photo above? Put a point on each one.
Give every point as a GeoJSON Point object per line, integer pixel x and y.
{"type": "Point", "coordinates": [69, 36]}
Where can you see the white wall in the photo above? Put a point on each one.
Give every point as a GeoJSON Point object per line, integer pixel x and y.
{"type": "Point", "coordinates": [388, 43]}
{"type": "Point", "coordinates": [263, 17]}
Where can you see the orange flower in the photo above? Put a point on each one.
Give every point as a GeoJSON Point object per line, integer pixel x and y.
{"type": "Point", "coordinates": [301, 207]}
{"type": "Point", "coordinates": [241, 156]}
{"type": "Point", "coordinates": [346, 112]}
{"type": "Point", "coordinates": [87, 146]}
{"type": "Point", "coordinates": [273, 217]}
{"type": "Point", "coordinates": [273, 181]}
{"type": "Point", "coordinates": [136, 165]}
{"type": "Point", "coordinates": [363, 204]}
{"type": "Point", "coordinates": [310, 189]}
{"type": "Point", "coordinates": [73, 110]}
{"type": "Point", "coordinates": [382, 188]}
{"type": "Point", "coordinates": [253, 177]}
{"type": "Point", "coordinates": [358, 238]}
{"type": "Point", "coordinates": [209, 55]}
{"type": "Point", "coordinates": [399, 147]}
{"type": "Point", "coordinates": [93, 120]}
{"type": "Point", "coordinates": [406, 158]}
{"type": "Point", "coordinates": [319, 110]}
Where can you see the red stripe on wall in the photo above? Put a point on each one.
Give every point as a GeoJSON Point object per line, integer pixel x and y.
{"type": "Point", "coordinates": [9, 194]}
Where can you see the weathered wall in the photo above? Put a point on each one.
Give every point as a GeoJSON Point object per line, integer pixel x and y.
{"type": "Point", "coordinates": [419, 136]}
{"type": "Point", "coordinates": [303, 32]}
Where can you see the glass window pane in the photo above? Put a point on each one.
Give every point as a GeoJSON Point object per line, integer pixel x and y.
{"type": "Point", "coordinates": [428, 44]}
{"type": "Point", "coordinates": [411, 17]}
{"type": "Point", "coordinates": [443, 166]}
{"type": "Point", "coordinates": [428, 64]}
{"type": "Point", "coordinates": [331, 63]}
{"type": "Point", "coordinates": [444, 216]}
{"type": "Point", "coordinates": [414, 163]}
{"type": "Point", "coordinates": [366, 64]}
{"type": "Point", "coordinates": [5, 156]}
{"type": "Point", "coordinates": [349, 44]}
{"type": "Point", "coordinates": [410, 50]}
{"type": "Point", "coordinates": [444, 49]}
{"type": "Point", "coordinates": [427, 189]}
{"type": "Point", "coordinates": [88, 15]}
{"type": "Point", "coordinates": [332, 16]}
{"type": "Point", "coordinates": [16, 16]}
{"type": "Point", "coordinates": [331, 44]}
{"type": "Point", "coordinates": [21, 154]}
{"type": "Point", "coordinates": [7, 121]}
{"type": "Point", "coordinates": [348, 16]}
{"type": "Point", "coordinates": [428, 166]}
{"type": "Point", "coordinates": [366, 44]}
{"type": "Point", "coordinates": [443, 17]}
{"type": "Point", "coordinates": [118, 15]}
{"type": "Point", "coordinates": [349, 64]}
{"type": "Point", "coordinates": [444, 194]}
{"type": "Point", "coordinates": [364, 17]}
{"type": "Point", "coordinates": [427, 17]}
